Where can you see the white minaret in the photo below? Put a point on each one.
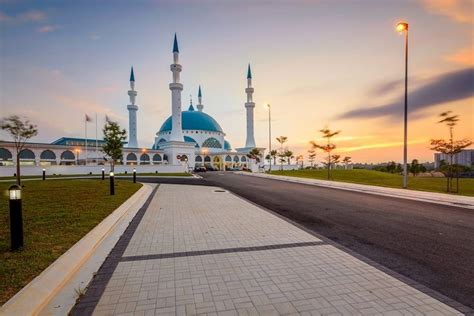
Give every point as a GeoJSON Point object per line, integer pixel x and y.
{"type": "Point", "coordinates": [200, 106]}
{"type": "Point", "coordinates": [132, 114]}
{"type": "Point", "coordinates": [249, 105]}
{"type": "Point", "coordinates": [176, 88]}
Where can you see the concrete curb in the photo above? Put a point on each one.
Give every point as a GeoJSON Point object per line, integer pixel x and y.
{"type": "Point", "coordinates": [423, 196]}
{"type": "Point", "coordinates": [36, 297]}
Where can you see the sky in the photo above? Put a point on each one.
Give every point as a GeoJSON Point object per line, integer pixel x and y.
{"type": "Point", "coordinates": [336, 64]}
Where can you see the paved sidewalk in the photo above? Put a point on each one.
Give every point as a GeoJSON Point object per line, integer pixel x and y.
{"type": "Point", "coordinates": [202, 250]}
{"type": "Point", "coordinates": [424, 196]}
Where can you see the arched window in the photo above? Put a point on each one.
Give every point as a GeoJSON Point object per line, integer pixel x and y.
{"type": "Point", "coordinates": [131, 157]}
{"type": "Point", "coordinates": [228, 159]}
{"type": "Point", "coordinates": [188, 139]}
{"type": "Point", "coordinates": [27, 154]}
{"type": "Point", "coordinates": [212, 143]}
{"type": "Point", "coordinates": [144, 159]}
{"type": "Point", "coordinates": [207, 159]}
{"type": "Point", "coordinates": [67, 155]}
{"type": "Point", "coordinates": [236, 158]}
{"type": "Point", "coordinates": [243, 159]}
{"type": "Point", "coordinates": [156, 158]}
{"type": "Point", "coordinates": [5, 154]}
{"type": "Point", "coordinates": [48, 155]}
{"type": "Point", "coordinates": [198, 159]}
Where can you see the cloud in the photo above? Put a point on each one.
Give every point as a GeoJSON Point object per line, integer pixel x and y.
{"type": "Point", "coordinates": [451, 86]}
{"type": "Point", "coordinates": [464, 56]}
{"type": "Point", "coordinates": [458, 10]}
{"type": "Point", "coordinates": [24, 17]}
{"type": "Point", "coordinates": [47, 28]}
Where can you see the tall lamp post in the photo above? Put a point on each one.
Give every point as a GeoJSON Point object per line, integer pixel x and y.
{"type": "Point", "coordinates": [16, 217]}
{"type": "Point", "coordinates": [269, 135]}
{"type": "Point", "coordinates": [402, 27]}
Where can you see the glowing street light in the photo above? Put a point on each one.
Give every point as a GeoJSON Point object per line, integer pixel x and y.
{"type": "Point", "coordinates": [134, 175]}
{"type": "Point", "coordinates": [103, 173]}
{"type": "Point", "coordinates": [16, 217]}
{"type": "Point", "coordinates": [402, 27]}
{"type": "Point", "coordinates": [112, 186]}
{"type": "Point", "coordinates": [44, 174]}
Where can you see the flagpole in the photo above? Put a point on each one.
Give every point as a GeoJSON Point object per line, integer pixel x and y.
{"type": "Point", "coordinates": [86, 137]}
{"type": "Point", "coordinates": [96, 142]}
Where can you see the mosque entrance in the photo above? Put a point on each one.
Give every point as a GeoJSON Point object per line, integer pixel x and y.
{"type": "Point", "coordinates": [217, 163]}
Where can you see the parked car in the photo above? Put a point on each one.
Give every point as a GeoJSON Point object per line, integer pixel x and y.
{"type": "Point", "coordinates": [200, 169]}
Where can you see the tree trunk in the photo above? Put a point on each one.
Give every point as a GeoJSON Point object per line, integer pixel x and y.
{"type": "Point", "coordinates": [18, 178]}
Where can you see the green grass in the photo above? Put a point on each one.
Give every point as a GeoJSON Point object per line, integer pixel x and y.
{"type": "Point", "coordinates": [466, 186]}
{"type": "Point", "coordinates": [56, 214]}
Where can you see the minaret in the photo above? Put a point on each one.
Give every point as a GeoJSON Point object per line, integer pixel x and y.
{"type": "Point", "coordinates": [200, 106]}
{"type": "Point", "coordinates": [176, 88]}
{"type": "Point", "coordinates": [132, 114]}
{"type": "Point", "coordinates": [249, 105]}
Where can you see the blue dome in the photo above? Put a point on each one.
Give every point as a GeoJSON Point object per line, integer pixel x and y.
{"type": "Point", "coordinates": [227, 145]}
{"type": "Point", "coordinates": [194, 120]}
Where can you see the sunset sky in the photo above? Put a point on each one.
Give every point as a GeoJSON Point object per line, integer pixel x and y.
{"type": "Point", "coordinates": [336, 63]}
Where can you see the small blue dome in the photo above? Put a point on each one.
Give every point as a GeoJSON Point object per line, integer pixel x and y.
{"type": "Point", "coordinates": [194, 120]}
{"type": "Point", "coordinates": [227, 145]}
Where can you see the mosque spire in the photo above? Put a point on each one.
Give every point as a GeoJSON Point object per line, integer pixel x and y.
{"type": "Point", "coordinates": [175, 44]}
{"type": "Point", "coordinates": [191, 108]}
{"type": "Point", "coordinates": [132, 113]}
{"type": "Point", "coordinates": [176, 87]}
{"type": "Point", "coordinates": [249, 106]}
{"type": "Point", "coordinates": [200, 106]}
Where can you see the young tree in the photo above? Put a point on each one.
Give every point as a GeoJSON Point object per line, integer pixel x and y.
{"type": "Point", "coordinates": [415, 167]}
{"type": "Point", "coordinates": [311, 156]}
{"type": "Point", "coordinates": [281, 154]}
{"type": "Point", "coordinates": [20, 130]}
{"type": "Point", "coordinates": [335, 159]}
{"type": "Point", "coordinates": [288, 155]}
{"type": "Point", "coordinates": [300, 158]}
{"type": "Point", "coordinates": [328, 148]}
{"type": "Point", "coordinates": [113, 137]}
{"type": "Point", "coordinates": [254, 154]}
{"type": "Point", "coordinates": [347, 160]}
{"type": "Point", "coordinates": [274, 154]}
{"type": "Point", "coordinates": [450, 147]}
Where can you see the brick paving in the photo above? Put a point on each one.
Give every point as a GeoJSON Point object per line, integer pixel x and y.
{"type": "Point", "coordinates": [198, 251]}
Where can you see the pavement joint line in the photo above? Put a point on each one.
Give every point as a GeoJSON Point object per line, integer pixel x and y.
{"type": "Point", "coordinates": [96, 287]}
{"type": "Point", "coordinates": [221, 251]}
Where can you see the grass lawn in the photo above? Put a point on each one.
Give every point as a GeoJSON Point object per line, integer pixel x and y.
{"type": "Point", "coordinates": [383, 179]}
{"type": "Point", "coordinates": [56, 214]}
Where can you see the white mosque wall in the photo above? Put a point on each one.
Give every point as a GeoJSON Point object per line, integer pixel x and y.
{"type": "Point", "coordinates": [8, 171]}
{"type": "Point", "coordinates": [199, 136]}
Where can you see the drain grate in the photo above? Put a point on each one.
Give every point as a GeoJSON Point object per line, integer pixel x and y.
{"type": "Point", "coordinates": [219, 191]}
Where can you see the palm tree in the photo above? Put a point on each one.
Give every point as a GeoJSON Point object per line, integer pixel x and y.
{"type": "Point", "coordinates": [347, 160]}
{"type": "Point", "coordinates": [300, 158]}
{"type": "Point", "coordinates": [281, 140]}
{"type": "Point", "coordinates": [289, 154]}
{"type": "Point", "coordinates": [274, 154]}
{"type": "Point", "coordinates": [311, 156]}
{"type": "Point", "coordinates": [328, 134]}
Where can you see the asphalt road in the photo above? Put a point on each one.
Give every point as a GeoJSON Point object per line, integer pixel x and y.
{"type": "Point", "coordinates": [429, 243]}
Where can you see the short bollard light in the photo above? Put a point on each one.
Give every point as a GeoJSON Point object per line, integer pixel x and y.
{"type": "Point", "coordinates": [103, 174]}
{"type": "Point", "coordinates": [16, 217]}
{"type": "Point", "coordinates": [44, 174]}
{"type": "Point", "coordinates": [134, 175]}
{"type": "Point", "coordinates": [112, 186]}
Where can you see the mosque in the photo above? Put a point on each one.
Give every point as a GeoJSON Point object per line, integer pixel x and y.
{"type": "Point", "coordinates": [189, 138]}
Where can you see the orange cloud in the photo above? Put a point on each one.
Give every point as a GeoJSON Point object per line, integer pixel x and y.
{"type": "Point", "coordinates": [458, 10]}
{"type": "Point", "coordinates": [464, 56]}
{"type": "Point", "coordinates": [379, 145]}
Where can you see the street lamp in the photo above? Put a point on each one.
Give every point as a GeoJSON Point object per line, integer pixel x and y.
{"type": "Point", "coordinates": [44, 174]}
{"type": "Point", "coordinates": [16, 217]}
{"type": "Point", "coordinates": [112, 186]}
{"type": "Point", "coordinates": [402, 27]}
{"type": "Point", "coordinates": [103, 174]}
{"type": "Point", "coordinates": [268, 107]}
{"type": "Point", "coordinates": [134, 175]}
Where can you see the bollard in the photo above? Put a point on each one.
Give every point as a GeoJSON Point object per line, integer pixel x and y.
{"type": "Point", "coordinates": [16, 217]}
{"type": "Point", "coordinates": [103, 174]}
{"type": "Point", "coordinates": [44, 174]}
{"type": "Point", "coordinates": [134, 175]}
{"type": "Point", "coordinates": [112, 185]}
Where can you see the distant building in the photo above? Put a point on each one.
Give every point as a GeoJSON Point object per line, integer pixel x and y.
{"type": "Point", "coordinates": [465, 158]}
